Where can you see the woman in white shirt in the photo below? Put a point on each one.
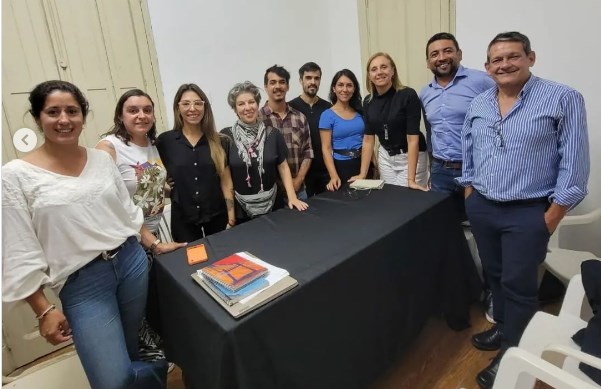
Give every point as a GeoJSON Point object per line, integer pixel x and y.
{"type": "Point", "coordinates": [131, 144]}
{"type": "Point", "coordinates": [73, 228]}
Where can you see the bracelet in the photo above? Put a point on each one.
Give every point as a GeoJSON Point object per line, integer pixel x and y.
{"type": "Point", "coordinates": [154, 245]}
{"type": "Point", "coordinates": [51, 308]}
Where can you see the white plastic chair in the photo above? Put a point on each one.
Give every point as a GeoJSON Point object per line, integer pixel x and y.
{"type": "Point", "coordinates": [564, 263]}
{"type": "Point", "coordinates": [471, 244]}
{"type": "Point", "coordinates": [545, 330]}
{"type": "Point", "coordinates": [575, 302]}
{"type": "Point", "coordinates": [519, 369]}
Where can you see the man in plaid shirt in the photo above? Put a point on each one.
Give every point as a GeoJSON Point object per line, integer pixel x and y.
{"type": "Point", "coordinates": [292, 123]}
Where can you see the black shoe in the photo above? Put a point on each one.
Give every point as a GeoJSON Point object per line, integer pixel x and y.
{"type": "Point", "coordinates": [486, 378]}
{"type": "Point", "coordinates": [489, 340]}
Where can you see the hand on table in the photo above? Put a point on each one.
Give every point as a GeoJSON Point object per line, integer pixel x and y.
{"type": "Point", "coordinates": [298, 204]}
{"type": "Point", "coordinates": [357, 177]}
{"type": "Point", "coordinates": [414, 185]}
{"type": "Point", "coordinates": [334, 184]}
{"type": "Point", "coordinates": [163, 248]}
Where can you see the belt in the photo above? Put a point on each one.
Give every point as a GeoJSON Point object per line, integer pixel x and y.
{"type": "Point", "coordinates": [394, 150]}
{"type": "Point", "coordinates": [537, 200]}
{"type": "Point", "coordinates": [107, 255]}
{"type": "Point", "coordinates": [456, 165]}
{"type": "Point", "coordinates": [110, 254]}
{"type": "Point", "coordinates": [353, 153]}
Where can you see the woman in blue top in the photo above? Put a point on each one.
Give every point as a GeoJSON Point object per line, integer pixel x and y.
{"type": "Point", "coordinates": [341, 130]}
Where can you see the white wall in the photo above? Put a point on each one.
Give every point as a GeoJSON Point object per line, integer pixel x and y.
{"type": "Point", "coordinates": [218, 43]}
{"type": "Point", "coordinates": [564, 37]}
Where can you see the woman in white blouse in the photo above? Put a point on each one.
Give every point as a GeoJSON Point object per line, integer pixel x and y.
{"type": "Point", "coordinates": [70, 225]}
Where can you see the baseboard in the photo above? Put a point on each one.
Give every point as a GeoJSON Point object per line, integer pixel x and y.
{"type": "Point", "coordinates": [63, 371]}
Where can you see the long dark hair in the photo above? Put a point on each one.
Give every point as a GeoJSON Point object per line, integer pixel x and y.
{"type": "Point", "coordinates": [355, 101]}
{"type": "Point", "coordinates": [119, 129]}
{"type": "Point", "coordinates": [207, 124]}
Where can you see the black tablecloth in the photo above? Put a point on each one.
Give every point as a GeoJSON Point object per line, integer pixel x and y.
{"type": "Point", "coordinates": [371, 267]}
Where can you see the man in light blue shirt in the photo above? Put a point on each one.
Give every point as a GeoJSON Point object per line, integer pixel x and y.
{"type": "Point", "coordinates": [445, 101]}
{"type": "Point", "coordinates": [525, 164]}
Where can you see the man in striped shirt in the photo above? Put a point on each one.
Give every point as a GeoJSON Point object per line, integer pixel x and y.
{"type": "Point", "coordinates": [525, 164]}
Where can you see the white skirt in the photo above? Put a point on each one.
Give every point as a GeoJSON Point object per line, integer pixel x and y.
{"type": "Point", "coordinates": [393, 170]}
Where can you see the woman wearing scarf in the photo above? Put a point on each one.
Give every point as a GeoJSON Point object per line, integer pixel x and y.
{"type": "Point", "coordinates": [257, 157]}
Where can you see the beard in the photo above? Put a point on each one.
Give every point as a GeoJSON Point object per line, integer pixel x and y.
{"type": "Point", "coordinates": [310, 91]}
{"type": "Point", "coordinates": [453, 67]}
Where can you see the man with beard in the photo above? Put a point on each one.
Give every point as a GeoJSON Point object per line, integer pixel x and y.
{"type": "Point", "coordinates": [292, 123]}
{"type": "Point", "coordinates": [525, 164]}
{"type": "Point", "coordinates": [445, 101]}
{"type": "Point", "coordinates": [312, 106]}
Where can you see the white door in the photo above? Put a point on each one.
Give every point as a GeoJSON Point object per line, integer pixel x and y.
{"type": "Point", "coordinates": [105, 47]}
{"type": "Point", "coordinates": [27, 59]}
{"type": "Point", "coordinates": [402, 28]}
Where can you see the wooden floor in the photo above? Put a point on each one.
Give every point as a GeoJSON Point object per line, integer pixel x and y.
{"type": "Point", "coordinates": [440, 358]}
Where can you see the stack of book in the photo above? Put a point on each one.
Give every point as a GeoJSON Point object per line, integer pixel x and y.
{"type": "Point", "coordinates": [242, 282]}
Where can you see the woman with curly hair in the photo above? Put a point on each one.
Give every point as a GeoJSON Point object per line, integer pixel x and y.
{"type": "Point", "coordinates": [257, 156]}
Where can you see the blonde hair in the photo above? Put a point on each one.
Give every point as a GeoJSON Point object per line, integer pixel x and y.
{"type": "Point", "coordinates": [396, 83]}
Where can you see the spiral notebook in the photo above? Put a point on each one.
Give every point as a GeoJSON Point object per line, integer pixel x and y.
{"type": "Point", "coordinates": [234, 272]}
{"type": "Point", "coordinates": [278, 283]}
{"type": "Point", "coordinates": [231, 298]}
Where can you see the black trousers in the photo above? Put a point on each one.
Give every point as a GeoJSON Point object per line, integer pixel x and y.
{"type": "Point", "coordinates": [348, 168]}
{"type": "Point", "coordinates": [189, 232]}
{"type": "Point", "coordinates": [316, 182]}
{"type": "Point", "coordinates": [512, 242]}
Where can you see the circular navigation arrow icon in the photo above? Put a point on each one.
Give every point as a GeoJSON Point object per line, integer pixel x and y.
{"type": "Point", "coordinates": [25, 140]}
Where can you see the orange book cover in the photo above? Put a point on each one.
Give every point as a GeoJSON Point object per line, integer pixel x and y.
{"type": "Point", "coordinates": [234, 272]}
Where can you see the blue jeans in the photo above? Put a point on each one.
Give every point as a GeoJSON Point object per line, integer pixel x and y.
{"type": "Point", "coordinates": [442, 179]}
{"type": "Point", "coordinates": [104, 303]}
{"type": "Point", "coordinates": [302, 195]}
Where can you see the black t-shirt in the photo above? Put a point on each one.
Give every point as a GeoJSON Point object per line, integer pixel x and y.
{"type": "Point", "coordinates": [274, 153]}
{"type": "Point", "coordinates": [313, 114]}
{"type": "Point", "coordinates": [400, 111]}
{"type": "Point", "coordinates": [197, 195]}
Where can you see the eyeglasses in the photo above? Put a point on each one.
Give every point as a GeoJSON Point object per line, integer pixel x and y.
{"type": "Point", "coordinates": [499, 141]}
{"type": "Point", "coordinates": [188, 104]}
